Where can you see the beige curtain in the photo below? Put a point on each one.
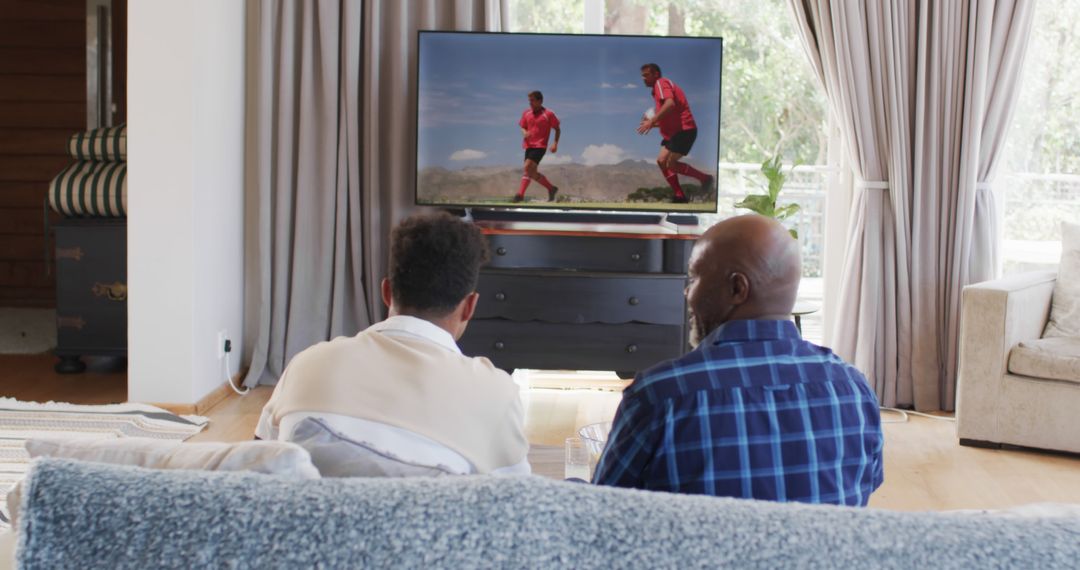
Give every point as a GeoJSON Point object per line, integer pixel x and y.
{"type": "Point", "coordinates": [924, 91]}
{"type": "Point", "coordinates": [863, 53]}
{"type": "Point", "coordinates": [970, 56]}
{"type": "Point", "coordinates": [329, 161]}
{"type": "Point", "coordinates": [389, 132]}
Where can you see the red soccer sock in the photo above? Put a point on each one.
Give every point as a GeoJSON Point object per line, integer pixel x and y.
{"type": "Point", "coordinates": [673, 181]}
{"type": "Point", "coordinates": [543, 180]}
{"type": "Point", "coordinates": [686, 169]}
{"type": "Point", "coordinates": [524, 184]}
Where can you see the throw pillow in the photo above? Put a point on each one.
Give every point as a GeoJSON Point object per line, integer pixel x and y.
{"type": "Point", "coordinates": [278, 458]}
{"type": "Point", "coordinates": [1065, 305]}
{"type": "Point", "coordinates": [338, 455]}
{"type": "Point", "coordinates": [270, 457]}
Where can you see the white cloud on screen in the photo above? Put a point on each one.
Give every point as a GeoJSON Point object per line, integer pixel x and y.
{"type": "Point", "coordinates": [606, 85]}
{"type": "Point", "coordinates": [630, 86]}
{"type": "Point", "coordinates": [552, 159]}
{"type": "Point", "coordinates": [468, 154]}
{"type": "Point", "coordinates": [603, 154]}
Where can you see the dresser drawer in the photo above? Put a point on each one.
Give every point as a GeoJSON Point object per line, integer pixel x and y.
{"type": "Point", "coordinates": [91, 331]}
{"type": "Point", "coordinates": [511, 344]}
{"type": "Point", "coordinates": [562, 297]}
{"type": "Point", "coordinates": [581, 253]}
{"type": "Point", "coordinates": [91, 287]}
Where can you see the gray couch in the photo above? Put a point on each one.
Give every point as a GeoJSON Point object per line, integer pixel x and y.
{"type": "Point", "coordinates": [84, 515]}
{"type": "Point", "coordinates": [1014, 387]}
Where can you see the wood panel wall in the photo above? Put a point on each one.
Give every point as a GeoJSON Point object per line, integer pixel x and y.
{"type": "Point", "coordinates": [42, 102]}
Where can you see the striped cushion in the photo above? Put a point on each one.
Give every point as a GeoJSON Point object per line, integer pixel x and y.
{"type": "Point", "coordinates": [109, 143]}
{"type": "Point", "coordinates": [90, 188]}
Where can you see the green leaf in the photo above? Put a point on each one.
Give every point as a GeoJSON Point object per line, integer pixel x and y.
{"type": "Point", "coordinates": [758, 203]}
{"type": "Point", "coordinates": [785, 212]}
{"type": "Point", "coordinates": [772, 168]}
{"type": "Point", "coordinates": [794, 234]}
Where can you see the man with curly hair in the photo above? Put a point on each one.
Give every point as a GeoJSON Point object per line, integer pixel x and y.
{"type": "Point", "coordinates": [401, 392]}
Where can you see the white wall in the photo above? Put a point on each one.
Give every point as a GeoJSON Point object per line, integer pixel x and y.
{"type": "Point", "coordinates": [185, 170]}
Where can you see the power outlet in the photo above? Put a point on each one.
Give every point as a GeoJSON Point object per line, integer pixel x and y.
{"type": "Point", "coordinates": [222, 335]}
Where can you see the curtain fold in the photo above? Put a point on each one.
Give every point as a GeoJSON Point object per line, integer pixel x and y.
{"type": "Point", "coordinates": [863, 57]}
{"type": "Point", "coordinates": [968, 86]}
{"type": "Point", "coordinates": [389, 134]}
{"type": "Point", "coordinates": [923, 92]}
{"type": "Point", "coordinates": [301, 180]}
{"type": "Point", "coordinates": [329, 161]}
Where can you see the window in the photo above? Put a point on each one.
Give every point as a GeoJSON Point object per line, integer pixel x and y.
{"type": "Point", "coordinates": [1039, 182]}
{"type": "Point", "coordinates": [771, 101]}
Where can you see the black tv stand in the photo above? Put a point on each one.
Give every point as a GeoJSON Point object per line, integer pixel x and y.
{"type": "Point", "coordinates": [563, 296]}
{"type": "Point", "coordinates": [492, 215]}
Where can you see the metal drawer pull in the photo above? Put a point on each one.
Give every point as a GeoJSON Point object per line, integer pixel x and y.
{"type": "Point", "coordinates": [500, 296]}
{"type": "Point", "coordinates": [75, 253]}
{"type": "Point", "coordinates": [499, 345]}
{"type": "Point", "coordinates": [500, 250]}
{"type": "Point", "coordinates": [115, 292]}
{"type": "Point", "coordinates": [631, 348]}
{"type": "Point", "coordinates": [635, 257]}
{"type": "Point", "coordinates": [633, 301]}
{"type": "Point", "coordinates": [70, 322]}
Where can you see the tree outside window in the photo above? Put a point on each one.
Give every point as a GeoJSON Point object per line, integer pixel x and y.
{"type": "Point", "coordinates": [1040, 177]}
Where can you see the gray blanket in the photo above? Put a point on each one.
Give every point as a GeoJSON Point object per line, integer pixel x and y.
{"type": "Point", "coordinates": [82, 515]}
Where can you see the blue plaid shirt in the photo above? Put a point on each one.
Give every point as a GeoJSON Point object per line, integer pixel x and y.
{"type": "Point", "coordinates": [754, 412]}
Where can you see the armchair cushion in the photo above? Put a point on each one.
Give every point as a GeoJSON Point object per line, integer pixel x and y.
{"type": "Point", "coordinates": [1049, 358]}
{"type": "Point", "coordinates": [1065, 311]}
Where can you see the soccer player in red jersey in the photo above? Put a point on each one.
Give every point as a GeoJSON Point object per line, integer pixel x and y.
{"type": "Point", "coordinates": [536, 124]}
{"type": "Point", "coordinates": [678, 129]}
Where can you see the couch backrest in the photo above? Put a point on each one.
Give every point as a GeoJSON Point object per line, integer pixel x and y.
{"type": "Point", "coordinates": [100, 516]}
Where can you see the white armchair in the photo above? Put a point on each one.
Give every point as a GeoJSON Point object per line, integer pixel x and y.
{"type": "Point", "coordinates": [1014, 387]}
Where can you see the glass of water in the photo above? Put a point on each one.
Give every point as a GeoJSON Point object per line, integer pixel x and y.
{"type": "Point", "coordinates": [578, 464]}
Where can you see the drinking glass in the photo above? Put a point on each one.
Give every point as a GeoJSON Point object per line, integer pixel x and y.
{"type": "Point", "coordinates": [578, 462]}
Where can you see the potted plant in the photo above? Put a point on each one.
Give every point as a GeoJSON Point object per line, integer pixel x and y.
{"type": "Point", "coordinates": [765, 204]}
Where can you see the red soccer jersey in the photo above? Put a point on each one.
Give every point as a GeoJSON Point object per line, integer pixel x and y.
{"type": "Point", "coordinates": [539, 126]}
{"type": "Point", "coordinates": [678, 119]}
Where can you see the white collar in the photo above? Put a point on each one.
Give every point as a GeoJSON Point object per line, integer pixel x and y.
{"type": "Point", "coordinates": [404, 325]}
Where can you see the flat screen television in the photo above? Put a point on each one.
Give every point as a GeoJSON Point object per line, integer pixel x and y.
{"type": "Point", "coordinates": [489, 104]}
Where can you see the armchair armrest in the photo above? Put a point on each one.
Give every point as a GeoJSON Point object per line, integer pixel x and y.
{"type": "Point", "coordinates": [995, 316]}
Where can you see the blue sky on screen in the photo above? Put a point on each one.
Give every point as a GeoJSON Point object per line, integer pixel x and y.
{"type": "Point", "coordinates": [474, 87]}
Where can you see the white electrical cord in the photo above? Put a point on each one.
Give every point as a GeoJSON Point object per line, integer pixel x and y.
{"type": "Point", "coordinates": [905, 413]}
{"type": "Point", "coordinates": [229, 381]}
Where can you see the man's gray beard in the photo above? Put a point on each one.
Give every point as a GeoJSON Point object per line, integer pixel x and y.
{"type": "Point", "coordinates": [696, 332]}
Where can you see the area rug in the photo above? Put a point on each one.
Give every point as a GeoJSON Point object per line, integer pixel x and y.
{"type": "Point", "coordinates": [20, 421]}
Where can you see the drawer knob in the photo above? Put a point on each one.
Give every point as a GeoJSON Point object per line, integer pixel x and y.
{"type": "Point", "coordinates": [500, 296]}
{"type": "Point", "coordinates": [500, 250]}
{"type": "Point", "coordinates": [635, 257]}
{"type": "Point", "coordinates": [633, 301]}
{"type": "Point", "coordinates": [499, 345]}
{"type": "Point", "coordinates": [632, 348]}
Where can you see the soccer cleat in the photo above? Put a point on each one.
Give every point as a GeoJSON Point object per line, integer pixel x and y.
{"type": "Point", "coordinates": [680, 200]}
{"type": "Point", "coordinates": [517, 198]}
{"type": "Point", "coordinates": [708, 184]}
{"type": "Point", "coordinates": [551, 193]}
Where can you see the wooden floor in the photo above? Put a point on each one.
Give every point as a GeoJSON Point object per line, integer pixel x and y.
{"type": "Point", "coordinates": [925, 468]}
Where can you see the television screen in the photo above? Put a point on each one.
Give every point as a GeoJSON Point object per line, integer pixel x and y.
{"type": "Point", "coordinates": [592, 122]}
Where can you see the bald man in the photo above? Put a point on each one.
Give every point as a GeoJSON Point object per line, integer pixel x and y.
{"type": "Point", "coordinates": [754, 411]}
